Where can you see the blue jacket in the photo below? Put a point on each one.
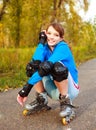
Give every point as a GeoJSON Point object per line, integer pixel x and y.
{"type": "Point", "coordinates": [60, 53]}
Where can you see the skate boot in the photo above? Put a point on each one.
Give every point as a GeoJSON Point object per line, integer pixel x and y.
{"type": "Point", "coordinates": [66, 109]}
{"type": "Point", "coordinates": [39, 104]}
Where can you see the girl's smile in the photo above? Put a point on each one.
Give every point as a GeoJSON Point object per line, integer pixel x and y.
{"type": "Point", "coordinates": [53, 36]}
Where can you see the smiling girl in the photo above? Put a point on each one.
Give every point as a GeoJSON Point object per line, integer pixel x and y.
{"type": "Point", "coordinates": [52, 72]}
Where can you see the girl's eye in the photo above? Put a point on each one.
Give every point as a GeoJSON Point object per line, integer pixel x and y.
{"type": "Point", "coordinates": [56, 35]}
{"type": "Point", "coordinates": [48, 33]}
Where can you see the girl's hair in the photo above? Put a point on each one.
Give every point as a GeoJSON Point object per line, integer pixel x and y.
{"type": "Point", "coordinates": [58, 27]}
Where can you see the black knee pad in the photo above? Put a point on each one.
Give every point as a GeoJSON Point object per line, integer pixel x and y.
{"type": "Point", "coordinates": [59, 72]}
{"type": "Point", "coordinates": [45, 68]}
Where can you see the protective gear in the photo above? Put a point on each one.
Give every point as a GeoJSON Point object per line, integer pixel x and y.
{"type": "Point", "coordinates": [32, 67]}
{"type": "Point", "coordinates": [45, 68]}
{"type": "Point", "coordinates": [25, 91]}
{"type": "Point", "coordinates": [42, 37]}
{"type": "Point", "coordinates": [59, 72]}
{"type": "Point", "coordinates": [65, 106]}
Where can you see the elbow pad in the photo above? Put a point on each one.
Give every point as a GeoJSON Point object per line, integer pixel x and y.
{"type": "Point", "coordinates": [32, 67]}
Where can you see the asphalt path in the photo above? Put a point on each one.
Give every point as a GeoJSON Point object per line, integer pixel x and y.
{"type": "Point", "coordinates": [11, 117]}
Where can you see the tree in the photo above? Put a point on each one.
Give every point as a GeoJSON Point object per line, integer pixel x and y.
{"type": "Point", "coordinates": [11, 21]}
{"type": "Point", "coordinates": [2, 11]}
{"type": "Point", "coordinates": [25, 19]}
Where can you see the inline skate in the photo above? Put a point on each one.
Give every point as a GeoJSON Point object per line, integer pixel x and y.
{"type": "Point", "coordinates": [67, 112]}
{"type": "Point", "coordinates": [38, 105]}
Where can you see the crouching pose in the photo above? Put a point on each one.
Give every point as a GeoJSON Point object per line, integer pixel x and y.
{"type": "Point", "coordinates": [52, 72]}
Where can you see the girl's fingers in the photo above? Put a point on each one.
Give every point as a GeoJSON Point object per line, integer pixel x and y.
{"type": "Point", "coordinates": [20, 100]}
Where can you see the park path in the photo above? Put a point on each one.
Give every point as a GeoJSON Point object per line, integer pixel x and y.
{"type": "Point", "coordinates": [11, 117]}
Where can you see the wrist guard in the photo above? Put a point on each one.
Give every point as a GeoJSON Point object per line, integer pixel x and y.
{"type": "Point", "coordinates": [42, 37]}
{"type": "Point", "coordinates": [25, 91]}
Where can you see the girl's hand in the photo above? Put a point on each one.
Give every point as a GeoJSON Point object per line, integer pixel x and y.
{"type": "Point", "coordinates": [21, 100]}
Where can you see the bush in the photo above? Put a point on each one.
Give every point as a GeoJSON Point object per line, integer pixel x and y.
{"type": "Point", "coordinates": [83, 53]}
{"type": "Point", "coordinates": [14, 59]}
{"type": "Point", "coordinates": [13, 62]}
{"type": "Point", "coordinates": [12, 66]}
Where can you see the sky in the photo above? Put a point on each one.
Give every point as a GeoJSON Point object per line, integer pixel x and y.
{"type": "Point", "coordinates": [91, 13]}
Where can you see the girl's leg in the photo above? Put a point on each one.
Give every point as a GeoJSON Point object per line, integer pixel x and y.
{"type": "Point", "coordinates": [62, 86]}
{"type": "Point", "coordinates": [68, 87]}
{"type": "Point", "coordinates": [50, 87]}
{"type": "Point", "coordinates": [73, 88]}
{"type": "Point", "coordinates": [68, 91]}
{"type": "Point", "coordinates": [65, 87]}
{"type": "Point", "coordinates": [39, 87]}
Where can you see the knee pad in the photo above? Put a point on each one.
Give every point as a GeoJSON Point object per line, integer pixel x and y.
{"type": "Point", "coordinates": [45, 68]}
{"type": "Point", "coordinates": [32, 67]}
{"type": "Point", "coordinates": [59, 72]}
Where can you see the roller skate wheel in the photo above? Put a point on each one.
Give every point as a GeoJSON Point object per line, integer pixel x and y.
{"type": "Point", "coordinates": [25, 112]}
{"type": "Point", "coordinates": [64, 121]}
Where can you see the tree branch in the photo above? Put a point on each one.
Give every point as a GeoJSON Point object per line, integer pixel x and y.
{"type": "Point", "coordinates": [59, 4]}
{"type": "Point", "coordinates": [2, 12]}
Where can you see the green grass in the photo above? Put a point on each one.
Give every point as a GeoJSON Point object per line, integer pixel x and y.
{"type": "Point", "coordinates": [12, 80]}
{"type": "Point", "coordinates": [13, 63]}
{"type": "Point", "coordinates": [12, 66]}
{"type": "Point", "coordinates": [83, 53]}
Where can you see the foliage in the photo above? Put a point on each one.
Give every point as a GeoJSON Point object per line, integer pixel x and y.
{"type": "Point", "coordinates": [20, 23]}
{"type": "Point", "coordinates": [14, 59]}
{"type": "Point", "coordinates": [82, 53]}
{"type": "Point", "coordinates": [23, 20]}
{"type": "Point", "coordinates": [12, 66]}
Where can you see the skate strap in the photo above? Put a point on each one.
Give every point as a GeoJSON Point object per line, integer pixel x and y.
{"type": "Point", "coordinates": [70, 105]}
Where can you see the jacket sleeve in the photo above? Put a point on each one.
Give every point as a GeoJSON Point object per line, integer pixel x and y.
{"type": "Point", "coordinates": [39, 53]}
{"type": "Point", "coordinates": [34, 79]}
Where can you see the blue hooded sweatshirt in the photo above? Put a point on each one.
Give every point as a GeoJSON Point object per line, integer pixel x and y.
{"type": "Point", "coordinates": [61, 53]}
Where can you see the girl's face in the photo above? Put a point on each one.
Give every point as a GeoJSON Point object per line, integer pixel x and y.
{"type": "Point", "coordinates": [53, 36]}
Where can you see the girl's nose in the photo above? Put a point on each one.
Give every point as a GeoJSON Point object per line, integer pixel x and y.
{"type": "Point", "coordinates": [51, 36]}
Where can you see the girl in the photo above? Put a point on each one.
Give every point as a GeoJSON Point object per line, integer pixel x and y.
{"type": "Point", "coordinates": [52, 72]}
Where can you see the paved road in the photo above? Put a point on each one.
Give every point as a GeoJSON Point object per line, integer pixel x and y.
{"type": "Point", "coordinates": [11, 117]}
